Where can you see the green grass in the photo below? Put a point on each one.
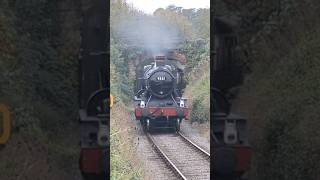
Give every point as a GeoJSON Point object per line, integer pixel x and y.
{"type": "Point", "coordinates": [123, 156]}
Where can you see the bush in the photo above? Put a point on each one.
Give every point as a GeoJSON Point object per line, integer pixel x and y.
{"type": "Point", "coordinates": [198, 93]}
{"type": "Point", "coordinates": [199, 112]}
{"type": "Point", "coordinates": [284, 107]}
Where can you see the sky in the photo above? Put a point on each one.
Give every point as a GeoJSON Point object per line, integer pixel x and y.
{"type": "Point", "coordinates": [149, 6]}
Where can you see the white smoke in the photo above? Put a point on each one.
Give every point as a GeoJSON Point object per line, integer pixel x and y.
{"type": "Point", "coordinates": [149, 32]}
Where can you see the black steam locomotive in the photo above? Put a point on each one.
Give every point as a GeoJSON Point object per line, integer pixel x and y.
{"type": "Point", "coordinates": [158, 97]}
{"type": "Point", "coordinates": [232, 151]}
{"type": "Point", "coordinates": [94, 93]}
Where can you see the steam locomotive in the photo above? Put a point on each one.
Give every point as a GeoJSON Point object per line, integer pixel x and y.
{"type": "Point", "coordinates": [232, 151]}
{"type": "Point", "coordinates": [158, 98]}
{"type": "Point", "coordinates": [94, 93]}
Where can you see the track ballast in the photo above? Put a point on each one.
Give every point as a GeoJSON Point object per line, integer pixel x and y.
{"type": "Point", "coordinates": [186, 159]}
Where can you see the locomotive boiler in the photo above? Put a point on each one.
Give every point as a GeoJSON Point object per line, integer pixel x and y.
{"type": "Point", "coordinates": [158, 98]}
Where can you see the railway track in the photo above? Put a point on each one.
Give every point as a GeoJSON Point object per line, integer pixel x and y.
{"type": "Point", "coordinates": [185, 158]}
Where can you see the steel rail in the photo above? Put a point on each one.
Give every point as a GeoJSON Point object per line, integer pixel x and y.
{"type": "Point", "coordinates": [194, 145]}
{"type": "Point", "coordinates": [165, 157]}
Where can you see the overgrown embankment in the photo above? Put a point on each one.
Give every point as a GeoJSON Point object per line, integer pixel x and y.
{"type": "Point", "coordinates": [123, 156]}
{"type": "Point", "coordinates": [125, 164]}
{"type": "Point", "coordinates": [281, 95]}
{"type": "Point", "coordinates": [39, 83]}
{"type": "Point", "coordinates": [198, 89]}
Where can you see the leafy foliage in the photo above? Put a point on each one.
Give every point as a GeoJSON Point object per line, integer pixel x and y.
{"type": "Point", "coordinates": [38, 80]}
{"type": "Point", "coordinates": [196, 52]}
{"type": "Point", "coordinates": [281, 95]}
{"type": "Point", "coordinates": [198, 92]}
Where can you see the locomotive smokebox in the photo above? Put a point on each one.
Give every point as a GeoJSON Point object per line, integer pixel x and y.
{"type": "Point", "coordinates": [161, 82]}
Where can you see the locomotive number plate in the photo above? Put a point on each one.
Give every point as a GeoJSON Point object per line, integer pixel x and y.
{"type": "Point", "coordinates": [161, 78]}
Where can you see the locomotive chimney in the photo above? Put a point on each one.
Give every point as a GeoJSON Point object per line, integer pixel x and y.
{"type": "Point", "coordinates": [159, 59]}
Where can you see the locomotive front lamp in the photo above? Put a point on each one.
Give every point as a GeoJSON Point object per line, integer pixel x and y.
{"type": "Point", "coordinates": [142, 104]}
{"type": "Point", "coordinates": [103, 134]}
{"type": "Point", "coordinates": [181, 103]}
{"type": "Point", "coordinates": [230, 132]}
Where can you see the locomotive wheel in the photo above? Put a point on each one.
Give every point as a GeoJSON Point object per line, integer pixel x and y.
{"type": "Point", "coordinates": [144, 125]}
{"type": "Point", "coordinates": [147, 124]}
{"type": "Point", "coordinates": [177, 125]}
